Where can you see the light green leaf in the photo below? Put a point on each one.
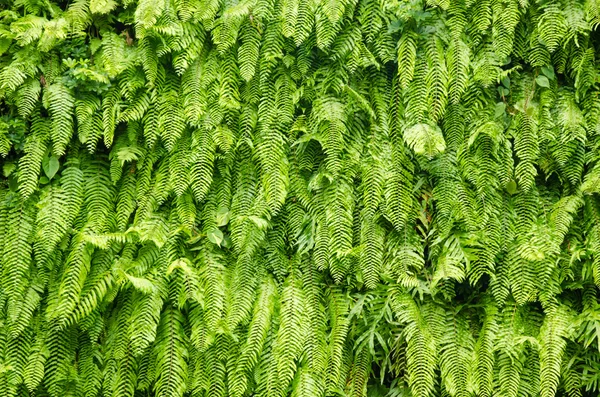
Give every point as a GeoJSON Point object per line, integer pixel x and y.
{"type": "Point", "coordinates": [425, 139]}
{"type": "Point", "coordinates": [260, 222]}
{"type": "Point", "coordinates": [102, 6]}
{"type": "Point", "coordinates": [548, 71]}
{"type": "Point", "coordinates": [500, 109]}
{"type": "Point", "coordinates": [143, 285]}
{"type": "Point", "coordinates": [50, 166]}
{"type": "Point", "coordinates": [223, 216]}
{"type": "Point", "coordinates": [182, 263]}
{"type": "Point", "coordinates": [215, 236]}
{"type": "Point", "coordinates": [542, 81]}
{"type": "Point", "coordinates": [8, 168]}
{"type": "Point", "coordinates": [511, 187]}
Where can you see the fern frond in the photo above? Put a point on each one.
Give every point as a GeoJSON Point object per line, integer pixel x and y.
{"type": "Point", "coordinates": [61, 103]}
{"type": "Point", "coordinates": [171, 361]}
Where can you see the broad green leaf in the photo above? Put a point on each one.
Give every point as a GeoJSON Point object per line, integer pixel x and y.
{"type": "Point", "coordinates": [215, 236]}
{"type": "Point", "coordinates": [50, 166]}
{"type": "Point", "coordinates": [511, 187]}
{"type": "Point", "coordinates": [542, 81]}
{"type": "Point", "coordinates": [223, 215]}
{"type": "Point", "coordinates": [548, 71]}
{"type": "Point", "coordinates": [500, 109]}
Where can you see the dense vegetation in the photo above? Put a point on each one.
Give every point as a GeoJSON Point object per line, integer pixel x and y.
{"type": "Point", "coordinates": [299, 198]}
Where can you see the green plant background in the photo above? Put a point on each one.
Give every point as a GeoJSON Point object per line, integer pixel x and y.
{"type": "Point", "coordinates": [299, 198]}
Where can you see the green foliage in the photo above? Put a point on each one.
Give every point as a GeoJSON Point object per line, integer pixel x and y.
{"type": "Point", "coordinates": [306, 198]}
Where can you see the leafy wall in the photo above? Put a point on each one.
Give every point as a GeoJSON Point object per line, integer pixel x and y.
{"type": "Point", "coordinates": [299, 197]}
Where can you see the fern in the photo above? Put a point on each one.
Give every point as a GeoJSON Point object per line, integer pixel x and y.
{"type": "Point", "coordinates": [16, 258]}
{"type": "Point", "coordinates": [171, 362]}
{"type": "Point", "coordinates": [61, 104]}
{"type": "Point", "coordinates": [299, 198]}
{"type": "Point", "coordinates": [291, 333]}
{"type": "Point", "coordinates": [257, 332]}
{"type": "Point", "coordinates": [553, 331]}
{"type": "Point", "coordinates": [420, 348]}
